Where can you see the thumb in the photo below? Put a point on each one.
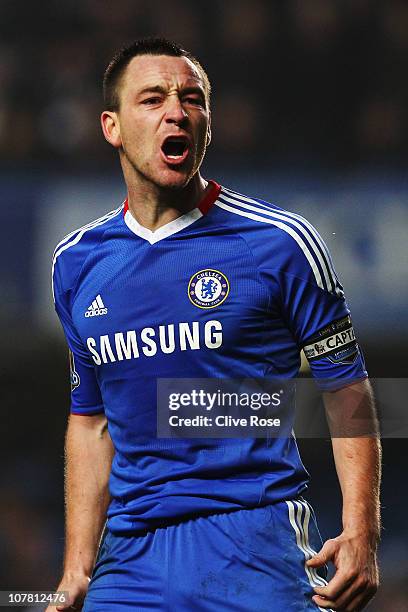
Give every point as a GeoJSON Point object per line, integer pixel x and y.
{"type": "Point", "coordinates": [324, 555]}
{"type": "Point", "coordinates": [69, 603]}
{"type": "Point", "coordinates": [65, 606]}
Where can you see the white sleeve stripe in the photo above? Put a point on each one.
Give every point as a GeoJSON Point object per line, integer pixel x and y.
{"type": "Point", "coordinates": [323, 264]}
{"type": "Point", "coordinates": [240, 197]}
{"type": "Point", "coordinates": [286, 228]}
{"type": "Point", "coordinates": [78, 237]}
{"type": "Point", "coordinates": [312, 230]}
{"type": "Point", "coordinates": [323, 255]}
{"type": "Point", "coordinates": [108, 215]}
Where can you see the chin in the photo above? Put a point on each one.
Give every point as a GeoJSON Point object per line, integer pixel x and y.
{"type": "Point", "coordinates": [173, 179]}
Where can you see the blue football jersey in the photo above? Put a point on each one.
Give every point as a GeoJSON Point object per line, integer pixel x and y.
{"type": "Point", "coordinates": [234, 288]}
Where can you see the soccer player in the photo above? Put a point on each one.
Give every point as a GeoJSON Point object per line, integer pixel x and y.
{"type": "Point", "coordinates": [190, 279]}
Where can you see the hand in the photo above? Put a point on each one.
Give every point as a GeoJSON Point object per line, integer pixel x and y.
{"type": "Point", "coordinates": [76, 588]}
{"type": "Point", "coordinates": [356, 579]}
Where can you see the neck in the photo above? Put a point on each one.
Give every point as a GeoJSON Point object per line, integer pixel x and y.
{"type": "Point", "coordinates": [153, 206]}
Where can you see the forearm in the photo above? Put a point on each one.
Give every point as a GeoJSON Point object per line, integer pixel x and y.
{"type": "Point", "coordinates": [358, 467]}
{"type": "Point", "coordinates": [88, 452]}
{"type": "Point", "coordinates": [357, 456]}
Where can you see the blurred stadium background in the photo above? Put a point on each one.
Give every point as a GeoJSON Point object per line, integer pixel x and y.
{"type": "Point", "coordinates": [310, 111]}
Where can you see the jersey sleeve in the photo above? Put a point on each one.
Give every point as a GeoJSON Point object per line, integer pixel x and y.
{"type": "Point", "coordinates": [85, 393]}
{"type": "Point", "coordinates": [317, 313]}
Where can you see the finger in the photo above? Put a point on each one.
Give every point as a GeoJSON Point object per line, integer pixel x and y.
{"type": "Point", "coordinates": [337, 585]}
{"type": "Point", "coordinates": [325, 554]}
{"type": "Point", "coordinates": [321, 602]}
{"type": "Point", "coordinates": [69, 604]}
{"type": "Point", "coordinates": [344, 602]}
{"type": "Point", "coordinates": [353, 599]}
{"type": "Point", "coordinates": [361, 600]}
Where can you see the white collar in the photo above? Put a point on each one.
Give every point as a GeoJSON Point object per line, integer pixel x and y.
{"type": "Point", "coordinates": [177, 224]}
{"type": "Point", "coordinates": [165, 230]}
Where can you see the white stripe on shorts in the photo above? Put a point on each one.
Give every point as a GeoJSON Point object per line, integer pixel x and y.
{"type": "Point", "coordinates": [301, 528]}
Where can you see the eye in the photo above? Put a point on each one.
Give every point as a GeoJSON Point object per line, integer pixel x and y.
{"type": "Point", "coordinates": [151, 101]}
{"type": "Point", "coordinates": [195, 101]}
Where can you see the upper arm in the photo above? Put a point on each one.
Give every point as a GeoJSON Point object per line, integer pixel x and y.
{"type": "Point", "coordinates": [316, 312]}
{"type": "Point", "coordinates": [350, 411]}
{"type": "Point", "coordinates": [86, 397]}
{"type": "Point", "coordinates": [95, 422]}
{"type": "Point", "coordinates": [93, 427]}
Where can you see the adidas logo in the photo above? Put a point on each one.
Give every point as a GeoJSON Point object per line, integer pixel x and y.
{"type": "Point", "coordinates": [97, 308]}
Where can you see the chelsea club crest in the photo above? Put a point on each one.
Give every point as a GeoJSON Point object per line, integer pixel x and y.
{"type": "Point", "coordinates": [208, 288]}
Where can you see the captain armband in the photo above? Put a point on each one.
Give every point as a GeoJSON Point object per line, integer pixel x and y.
{"type": "Point", "coordinates": [335, 342]}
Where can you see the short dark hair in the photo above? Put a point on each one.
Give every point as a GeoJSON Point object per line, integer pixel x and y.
{"type": "Point", "coordinates": [143, 46]}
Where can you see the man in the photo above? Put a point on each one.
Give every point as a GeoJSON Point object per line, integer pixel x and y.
{"type": "Point", "coordinates": [200, 524]}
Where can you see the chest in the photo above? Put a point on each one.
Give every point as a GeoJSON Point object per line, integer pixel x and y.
{"type": "Point", "coordinates": [179, 281]}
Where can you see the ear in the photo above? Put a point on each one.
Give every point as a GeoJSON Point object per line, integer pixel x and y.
{"type": "Point", "coordinates": [208, 131]}
{"type": "Point", "coordinates": [111, 128]}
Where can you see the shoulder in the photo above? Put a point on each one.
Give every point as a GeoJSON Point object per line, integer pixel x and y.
{"type": "Point", "coordinates": [264, 215]}
{"type": "Point", "coordinates": [71, 252]}
{"type": "Point", "coordinates": [280, 239]}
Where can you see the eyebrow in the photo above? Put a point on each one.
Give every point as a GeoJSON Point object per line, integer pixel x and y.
{"type": "Point", "coordinates": [152, 89]}
{"type": "Point", "coordinates": [162, 90]}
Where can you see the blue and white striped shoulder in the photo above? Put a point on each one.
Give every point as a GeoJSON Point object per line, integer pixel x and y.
{"type": "Point", "coordinates": [75, 236]}
{"type": "Point", "coordinates": [296, 226]}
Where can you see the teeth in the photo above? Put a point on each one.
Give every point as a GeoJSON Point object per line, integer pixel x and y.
{"type": "Point", "coordinates": [174, 156]}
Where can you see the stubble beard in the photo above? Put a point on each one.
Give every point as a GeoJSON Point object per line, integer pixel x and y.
{"type": "Point", "coordinates": [133, 173]}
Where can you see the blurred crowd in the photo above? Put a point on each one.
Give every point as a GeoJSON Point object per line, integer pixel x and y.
{"type": "Point", "coordinates": [294, 80]}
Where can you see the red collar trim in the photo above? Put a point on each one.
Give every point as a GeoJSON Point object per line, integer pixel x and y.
{"type": "Point", "coordinates": [209, 199]}
{"type": "Point", "coordinates": [206, 203]}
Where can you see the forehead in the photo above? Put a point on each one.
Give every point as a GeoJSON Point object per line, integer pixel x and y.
{"type": "Point", "coordinates": [151, 70]}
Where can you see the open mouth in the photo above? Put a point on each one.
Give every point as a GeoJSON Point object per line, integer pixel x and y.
{"type": "Point", "coordinates": [175, 148]}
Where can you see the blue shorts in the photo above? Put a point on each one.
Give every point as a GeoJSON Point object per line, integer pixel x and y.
{"type": "Point", "coordinates": [242, 561]}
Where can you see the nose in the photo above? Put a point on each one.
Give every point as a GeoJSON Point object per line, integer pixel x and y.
{"type": "Point", "coordinates": [175, 113]}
